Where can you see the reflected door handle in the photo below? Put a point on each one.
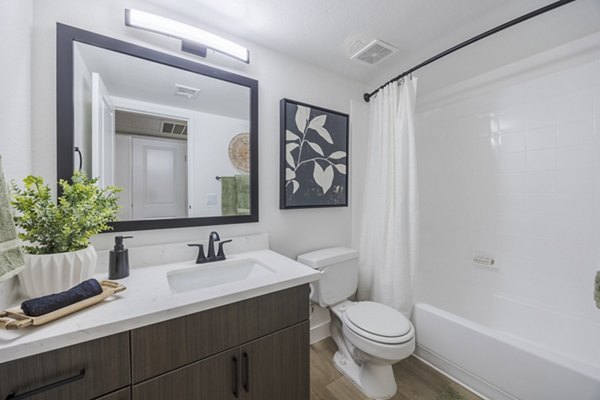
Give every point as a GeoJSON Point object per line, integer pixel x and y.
{"type": "Point", "coordinates": [76, 150]}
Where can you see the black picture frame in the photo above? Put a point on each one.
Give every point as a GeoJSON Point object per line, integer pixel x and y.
{"type": "Point", "coordinates": [65, 36]}
{"type": "Point", "coordinates": [314, 157]}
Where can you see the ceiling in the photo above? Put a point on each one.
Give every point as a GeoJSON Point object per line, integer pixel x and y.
{"type": "Point", "coordinates": [128, 77]}
{"type": "Point", "coordinates": [325, 32]}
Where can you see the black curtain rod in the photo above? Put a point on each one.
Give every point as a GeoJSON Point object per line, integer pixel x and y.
{"type": "Point", "coordinates": [540, 11]}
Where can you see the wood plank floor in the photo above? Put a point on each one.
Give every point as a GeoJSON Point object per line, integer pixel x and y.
{"type": "Point", "coordinates": [415, 379]}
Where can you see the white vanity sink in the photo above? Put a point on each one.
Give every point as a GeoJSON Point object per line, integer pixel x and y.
{"type": "Point", "coordinates": [201, 276]}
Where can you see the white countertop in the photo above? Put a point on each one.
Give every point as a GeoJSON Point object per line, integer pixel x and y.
{"type": "Point", "coordinates": [148, 300]}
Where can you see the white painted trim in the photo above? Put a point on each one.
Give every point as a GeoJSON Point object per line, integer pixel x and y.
{"type": "Point", "coordinates": [319, 332]}
{"type": "Point", "coordinates": [464, 378]}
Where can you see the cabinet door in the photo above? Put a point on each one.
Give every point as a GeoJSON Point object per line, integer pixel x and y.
{"type": "Point", "coordinates": [277, 366]}
{"type": "Point", "coordinates": [215, 378]}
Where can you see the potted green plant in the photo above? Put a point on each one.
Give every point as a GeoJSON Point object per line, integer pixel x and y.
{"type": "Point", "coordinates": [56, 235]}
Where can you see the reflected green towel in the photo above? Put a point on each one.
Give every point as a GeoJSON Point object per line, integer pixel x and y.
{"type": "Point", "coordinates": [242, 185]}
{"type": "Point", "coordinates": [228, 196]}
{"type": "Point", "coordinates": [597, 289]}
{"type": "Point", "coordinates": [235, 195]}
{"type": "Point", "coordinates": [11, 260]}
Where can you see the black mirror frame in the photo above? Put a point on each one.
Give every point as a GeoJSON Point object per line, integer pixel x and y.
{"type": "Point", "coordinates": [65, 36]}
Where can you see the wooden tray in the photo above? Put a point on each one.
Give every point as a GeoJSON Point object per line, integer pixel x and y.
{"type": "Point", "coordinates": [14, 318]}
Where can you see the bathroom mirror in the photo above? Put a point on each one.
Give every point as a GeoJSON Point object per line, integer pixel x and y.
{"type": "Point", "coordinates": [179, 137]}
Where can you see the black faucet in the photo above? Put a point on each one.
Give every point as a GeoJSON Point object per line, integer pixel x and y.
{"type": "Point", "coordinates": [212, 238]}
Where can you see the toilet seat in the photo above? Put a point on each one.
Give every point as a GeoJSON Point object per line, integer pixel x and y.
{"type": "Point", "coordinates": [378, 322]}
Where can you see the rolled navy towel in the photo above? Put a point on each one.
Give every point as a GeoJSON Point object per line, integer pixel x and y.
{"type": "Point", "coordinates": [52, 302]}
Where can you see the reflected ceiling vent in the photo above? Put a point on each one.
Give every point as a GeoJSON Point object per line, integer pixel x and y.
{"type": "Point", "coordinates": [186, 91]}
{"type": "Point", "coordinates": [374, 52]}
{"type": "Point", "coordinates": [173, 128]}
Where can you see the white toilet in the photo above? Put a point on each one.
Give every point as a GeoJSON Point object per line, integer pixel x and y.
{"type": "Point", "coordinates": [370, 336]}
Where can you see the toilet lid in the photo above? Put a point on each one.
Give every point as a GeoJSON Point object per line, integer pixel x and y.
{"type": "Point", "coordinates": [377, 319]}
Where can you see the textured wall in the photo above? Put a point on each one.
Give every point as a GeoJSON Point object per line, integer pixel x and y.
{"type": "Point", "coordinates": [15, 80]}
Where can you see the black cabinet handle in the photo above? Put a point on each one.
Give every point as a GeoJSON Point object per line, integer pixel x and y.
{"type": "Point", "coordinates": [235, 377]}
{"type": "Point", "coordinates": [246, 382]}
{"type": "Point", "coordinates": [76, 150]}
{"type": "Point", "coordinates": [14, 396]}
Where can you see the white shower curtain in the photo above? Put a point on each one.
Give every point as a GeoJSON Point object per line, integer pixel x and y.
{"type": "Point", "coordinates": [389, 227]}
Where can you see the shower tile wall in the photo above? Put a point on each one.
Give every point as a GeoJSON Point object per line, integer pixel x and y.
{"type": "Point", "coordinates": [515, 173]}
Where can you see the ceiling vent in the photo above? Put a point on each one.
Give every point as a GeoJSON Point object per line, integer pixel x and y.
{"type": "Point", "coordinates": [173, 128]}
{"type": "Point", "coordinates": [374, 52]}
{"type": "Point", "coordinates": [186, 91]}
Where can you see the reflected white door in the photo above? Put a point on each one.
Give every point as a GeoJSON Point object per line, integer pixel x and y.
{"type": "Point", "coordinates": [159, 178]}
{"type": "Point", "coordinates": [103, 133]}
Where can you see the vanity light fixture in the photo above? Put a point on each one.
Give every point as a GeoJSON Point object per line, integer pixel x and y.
{"type": "Point", "coordinates": [193, 40]}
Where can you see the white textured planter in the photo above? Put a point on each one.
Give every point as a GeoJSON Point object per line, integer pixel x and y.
{"type": "Point", "coordinates": [51, 273]}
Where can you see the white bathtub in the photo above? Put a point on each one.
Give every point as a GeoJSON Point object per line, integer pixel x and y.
{"type": "Point", "coordinates": [501, 366]}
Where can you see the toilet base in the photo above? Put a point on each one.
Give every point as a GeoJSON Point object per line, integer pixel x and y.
{"type": "Point", "coordinates": [374, 380]}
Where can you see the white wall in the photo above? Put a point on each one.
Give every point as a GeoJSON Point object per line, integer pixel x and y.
{"type": "Point", "coordinates": [16, 18]}
{"type": "Point", "coordinates": [209, 153]}
{"type": "Point", "coordinates": [291, 231]}
{"type": "Point", "coordinates": [509, 164]}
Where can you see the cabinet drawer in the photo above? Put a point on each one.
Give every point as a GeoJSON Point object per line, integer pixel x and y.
{"type": "Point", "coordinates": [162, 347]}
{"type": "Point", "coordinates": [78, 372]}
{"type": "Point", "coordinates": [262, 315]}
{"type": "Point", "coordinates": [123, 394]}
{"type": "Point", "coordinates": [215, 378]}
{"type": "Point", "coordinates": [171, 344]}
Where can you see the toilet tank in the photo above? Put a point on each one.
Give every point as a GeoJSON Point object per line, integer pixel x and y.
{"type": "Point", "coordinates": [339, 274]}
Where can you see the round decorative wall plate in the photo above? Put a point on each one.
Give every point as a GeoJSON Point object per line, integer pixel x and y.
{"type": "Point", "coordinates": [239, 152]}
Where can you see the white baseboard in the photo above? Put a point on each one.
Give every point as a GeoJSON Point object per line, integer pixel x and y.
{"type": "Point", "coordinates": [319, 332]}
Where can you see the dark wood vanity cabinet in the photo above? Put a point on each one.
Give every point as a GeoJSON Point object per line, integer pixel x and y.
{"type": "Point", "coordinates": [273, 367]}
{"type": "Point", "coordinates": [255, 349]}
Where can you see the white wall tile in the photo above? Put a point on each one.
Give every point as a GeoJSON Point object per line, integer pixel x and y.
{"type": "Point", "coordinates": [574, 133]}
{"type": "Point", "coordinates": [576, 157]}
{"type": "Point", "coordinates": [510, 184]}
{"type": "Point", "coordinates": [543, 182]}
{"type": "Point", "coordinates": [512, 142]}
{"type": "Point", "coordinates": [576, 106]}
{"type": "Point", "coordinates": [539, 160]}
{"type": "Point", "coordinates": [510, 162]}
{"type": "Point", "coordinates": [512, 121]}
{"type": "Point", "coordinates": [527, 190]}
{"type": "Point", "coordinates": [576, 182]}
{"type": "Point", "coordinates": [541, 138]}
{"type": "Point", "coordinates": [540, 114]}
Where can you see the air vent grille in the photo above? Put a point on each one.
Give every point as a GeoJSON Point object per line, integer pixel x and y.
{"type": "Point", "coordinates": [173, 128]}
{"type": "Point", "coordinates": [186, 91]}
{"type": "Point", "coordinates": [374, 52]}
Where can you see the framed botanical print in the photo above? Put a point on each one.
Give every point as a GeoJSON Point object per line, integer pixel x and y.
{"type": "Point", "coordinates": [314, 156]}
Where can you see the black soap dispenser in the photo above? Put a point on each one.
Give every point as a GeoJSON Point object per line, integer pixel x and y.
{"type": "Point", "coordinates": [118, 263]}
